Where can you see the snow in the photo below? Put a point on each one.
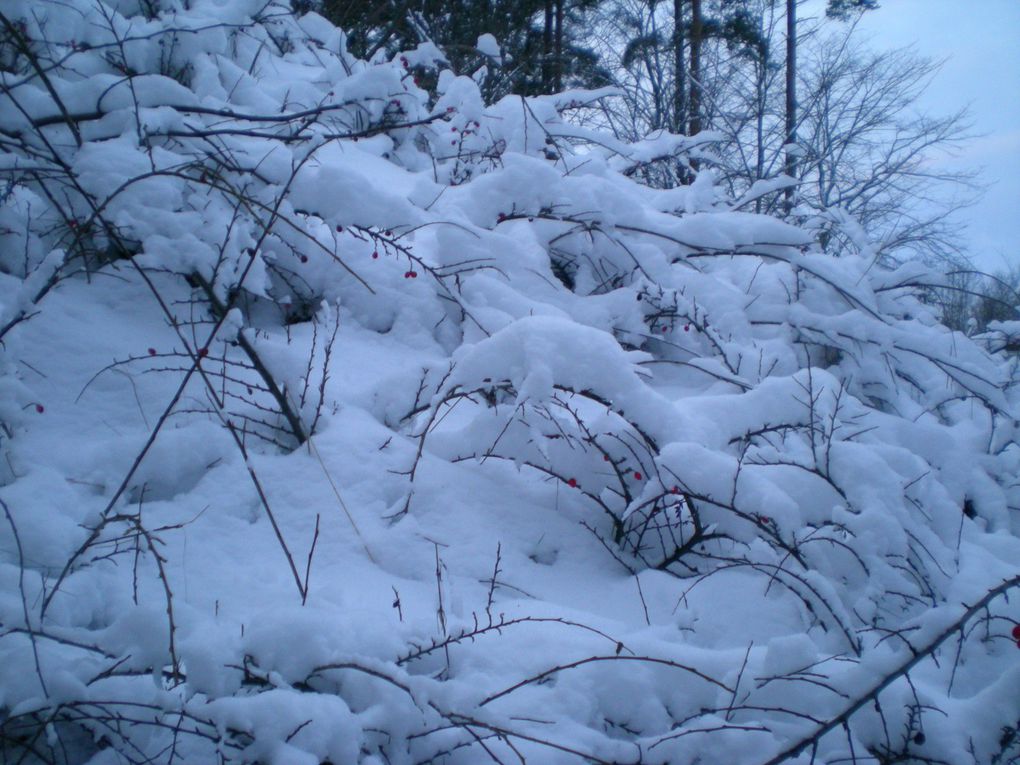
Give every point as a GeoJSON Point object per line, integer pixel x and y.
{"type": "Point", "coordinates": [487, 45]}
{"type": "Point", "coordinates": [597, 471]}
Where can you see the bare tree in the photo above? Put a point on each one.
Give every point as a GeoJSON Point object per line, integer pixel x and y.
{"type": "Point", "coordinates": [867, 150]}
{"type": "Point", "coordinates": [855, 139]}
{"type": "Point", "coordinates": [841, 119]}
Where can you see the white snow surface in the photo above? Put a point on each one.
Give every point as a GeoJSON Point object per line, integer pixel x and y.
{"type": "Point", "coordinates": [597, 472]}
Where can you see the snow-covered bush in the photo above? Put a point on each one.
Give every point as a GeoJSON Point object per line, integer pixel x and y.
{"type": "Point", "coordinates": [346, 421]}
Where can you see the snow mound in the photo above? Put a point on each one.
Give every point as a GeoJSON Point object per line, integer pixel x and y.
{"type": "Point", "coordinates": [348, 421]}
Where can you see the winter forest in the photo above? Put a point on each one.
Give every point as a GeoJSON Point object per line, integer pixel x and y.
{"type": "Point", "coordinates": [398, 382]}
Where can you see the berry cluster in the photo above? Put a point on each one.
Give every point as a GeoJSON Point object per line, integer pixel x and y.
{"type": "Point", "coordinates": [471, 128]}
{"type": "Point", "coordinates": [663, 311]}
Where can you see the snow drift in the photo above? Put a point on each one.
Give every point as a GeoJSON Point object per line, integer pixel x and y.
{"type": "Point", "coordinates": [348, 421]}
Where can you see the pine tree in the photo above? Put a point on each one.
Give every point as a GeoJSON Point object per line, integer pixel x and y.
{"type": "Point", "coordinates": [842, 9]}
{"type": "Point", "coordinates": [541, 51]}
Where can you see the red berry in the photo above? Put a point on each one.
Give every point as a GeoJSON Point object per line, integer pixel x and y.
{"type": "Point", "coordinates": [375, 256]}
{"type": "Point", "coordinates": [572, 483]}
{"type": "Point", "coordinates": [304, 258]}
{"type": "Point", "coordinates": [1016, 632]}
{"type": "Point", "coordinates": [339, 228]}
{"type": "Point", "coordinates": [40, 408]}
{"type": "Point", "coordinates": [453, 142]}
{"type": "Point", "coordinates": [407, 274]}
{"type": "Point", "coordinates": [605, 458]}
{"type": "Point", "coordinates": [665, 330]}
{"type": "Point", "coordinates": [414, 274]}
{"type": "Point", "coordinates": [687, 327]}
{"type": "Point", "coordinates": [453, 130]}
{"type": "Point", "coordinates": [637, 475]}
{"type": "Point", "coordinates": [675, 490]}
{"type": "Point", "coordinates": [203, 352]}
{"type": "Point", "coordinates": [152, 351]}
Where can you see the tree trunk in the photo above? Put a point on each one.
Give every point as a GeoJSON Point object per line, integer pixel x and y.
{"type": "Point", "coordinates": [695, 99]}
{"type": "Point", "coordinates": [558, 44]}
{"type": "Point", "coordinates": [679, 73]}
{"type": "Point", "coordinates": [791, 97]}
{"type": "Point", "coordinates": [547, 48]}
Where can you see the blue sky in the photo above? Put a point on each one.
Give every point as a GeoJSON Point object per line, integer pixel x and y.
{"type": "Point", "coordinates": [980, 42]}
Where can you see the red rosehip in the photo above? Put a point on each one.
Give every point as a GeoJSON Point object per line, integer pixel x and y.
{"type": "Point", "coordinates": [453, 142]}
{"type": "Point", "coordinates": [40, 408]}
{"type": "Point", "coordinates": [687, 327]}
{"type": "Point", "coordinates": [375, 255]}
{"type": "Point", "coordinates": [675, 490]}
{"type": "Point", "coordinates": [339, 228]}
{"type": "Point", "coordinates": [665, 330]}
{"type": "Point", "coordinates": [152, 351]}
{"type": "Point", "coordinates": [453, 130]}
{"type": "Point", "coordinates": [407, 274]}
{"type": "Point", "coordinates": [605, 458]}
{"type": "Point", "coordinates": [572, 483]}
{"type": "Point", "coordinates": [1016, 632]}
{"type": "Point", "coordinates": [414, 274]}
{"type": "Point", "coordinates": [304, 258]}
{"type": "Point", "coordinates": [637, 475]}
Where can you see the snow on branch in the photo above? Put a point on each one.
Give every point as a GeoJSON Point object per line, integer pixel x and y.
{"type": "Point", "coordinates": [291, 342]}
